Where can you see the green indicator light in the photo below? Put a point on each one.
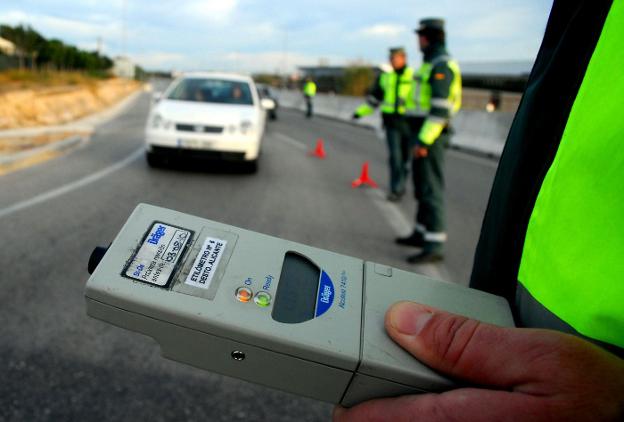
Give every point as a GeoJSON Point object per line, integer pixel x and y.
{"type": "Point", "coordinates": [262, 299]}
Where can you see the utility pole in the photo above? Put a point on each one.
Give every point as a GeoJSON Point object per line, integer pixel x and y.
{"type": "Point", "coordinates": [124, 35]}
{"type": "Point", "coordinates": [285, 58]}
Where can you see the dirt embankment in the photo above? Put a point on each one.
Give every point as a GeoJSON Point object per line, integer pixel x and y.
{"type": "Point", "coordinates": [58, 105]}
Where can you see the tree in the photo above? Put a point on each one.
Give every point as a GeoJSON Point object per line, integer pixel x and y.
{"type": "Point", "coordinates": [27, 40]}
{"type": "Point", "coordinates": [53, 54]}
{"type": "Point", "coordinates": [357, 80]}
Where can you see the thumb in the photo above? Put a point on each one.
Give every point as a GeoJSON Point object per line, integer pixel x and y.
{"type": "Point", "coordinates": [465, 348]}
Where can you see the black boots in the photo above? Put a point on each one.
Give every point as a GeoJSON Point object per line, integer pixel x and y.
{"type": "Point", "coordinates": [431, 251]}
{"type": "Point", "coordinates": [415, 239]}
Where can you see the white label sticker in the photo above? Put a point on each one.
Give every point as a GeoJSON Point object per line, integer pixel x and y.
{"type": "Point", "coordinates": [206, 263]}
{"type": "Point", "coordinates": [159, 254]}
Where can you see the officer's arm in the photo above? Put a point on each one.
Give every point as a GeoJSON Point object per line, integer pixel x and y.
{"type": "Point", "coordinates": [438, 117]}
{"type": "Point", "coordinates": [373, 100]}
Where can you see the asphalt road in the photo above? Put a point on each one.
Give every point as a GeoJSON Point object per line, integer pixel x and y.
{"type": "Point", "coordinates": [58, 364]}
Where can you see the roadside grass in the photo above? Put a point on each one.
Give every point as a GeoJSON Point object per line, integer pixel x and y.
{"type": "Point", "coordinates": [15, 79]}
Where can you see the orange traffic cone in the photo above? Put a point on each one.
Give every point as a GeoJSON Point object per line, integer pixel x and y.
{"type": "Point", "coordinates": [364, 178]}
{"type": "Point", "coordinates": [319, 151]}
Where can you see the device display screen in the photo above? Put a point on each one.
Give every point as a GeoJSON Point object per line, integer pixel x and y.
{"type": "Point", "coordinates": [295, 299]}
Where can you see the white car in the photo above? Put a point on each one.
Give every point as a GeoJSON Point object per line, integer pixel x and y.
{"type": "Point", "coordinates": [207, 115]}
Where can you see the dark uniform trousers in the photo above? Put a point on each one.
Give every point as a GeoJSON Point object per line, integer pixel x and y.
{"type": "Point", "coordinates": [399, 137]}
{"type": "Point", "coordinates": [428, 177]}
{"type": "Point", "coordinates": [309, 106]}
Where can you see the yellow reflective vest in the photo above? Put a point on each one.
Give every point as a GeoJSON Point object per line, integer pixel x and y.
{"type": "Point", "coordinates": [399, 94]}
{"type": "Point", "coordinates": [309, 89]}
{"type": "Point", "coordinates": [438, 110]}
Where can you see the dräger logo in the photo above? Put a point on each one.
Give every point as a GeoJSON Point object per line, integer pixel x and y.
{"type": "Point", "coordinates": [326, 294]}
{"type": "Point", "coordinates": [155, 237]}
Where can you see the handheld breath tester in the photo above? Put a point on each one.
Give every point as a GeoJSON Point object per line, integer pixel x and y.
{"type": "Point", "coordinates": [267, 310]}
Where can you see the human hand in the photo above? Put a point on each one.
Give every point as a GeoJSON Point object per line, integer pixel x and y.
{"type": "Point", "coordinates": [420, 152]}
{"type": "Point", "coordinates": [355, 116]}
{"type": "Point", "coordinates": [525, 374]}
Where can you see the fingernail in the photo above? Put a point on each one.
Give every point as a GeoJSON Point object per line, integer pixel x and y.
{"type": "Point", "coordinates": [409, 318]}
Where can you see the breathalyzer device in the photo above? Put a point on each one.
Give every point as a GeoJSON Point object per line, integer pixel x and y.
{"type": "Point", "coordinates": [267, 310]}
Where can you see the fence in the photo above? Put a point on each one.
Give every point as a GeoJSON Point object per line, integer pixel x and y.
{"type": "Point", "coordinates": [8, 62]}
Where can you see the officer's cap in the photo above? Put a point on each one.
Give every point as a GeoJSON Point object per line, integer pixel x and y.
{"type": "Point", "coordinates": [430, 23]}
{"type": "Point", "coordinates": [397, 50]}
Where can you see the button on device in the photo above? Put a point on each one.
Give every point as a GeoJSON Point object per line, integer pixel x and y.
{"type": "Point", "coordinates": [244, 294]}
{"type": "Point", "coordinates": [383, 270]}
{"type": "Point", "coordinates": [262, 299]}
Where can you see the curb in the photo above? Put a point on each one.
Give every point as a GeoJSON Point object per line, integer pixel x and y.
{"type": "Point", "coordinates": [368, 126]}
{"type": "Point", "coordinates": [476, 152]}
{"type": "Point", "coordinates": [44, 130]}
{"type": "Point", "coordinates": [63, 145]}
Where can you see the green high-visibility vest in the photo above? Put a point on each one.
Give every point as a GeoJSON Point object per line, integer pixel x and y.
{"type": "Point", "coordinates": [573, 256]}
{"type": "Point", "coordinates": [434, 125]}
{"type": "Point", "coordinates": [424, 76]}
{"type": "Point", "coordinates": [406, 92]}
{"type": "Point", "coordinates": [309, 89]}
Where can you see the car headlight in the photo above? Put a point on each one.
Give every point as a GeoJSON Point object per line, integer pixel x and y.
{"type": "Point", "coordinates": [246, 127]}
{"type": "Point", "coordinates": [159, 122]}
{"type": "Point", "coordinates": [268, 103]}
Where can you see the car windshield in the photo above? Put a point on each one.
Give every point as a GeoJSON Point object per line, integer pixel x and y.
{"type": "Point", "coordinates": [212, 91]}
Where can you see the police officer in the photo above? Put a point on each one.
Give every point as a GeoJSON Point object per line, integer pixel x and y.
{"type": "Point", "coordinates": [394, 92]}
{"type": "Point", "coordinates": [439, 97]}
{"type": "Point", "coordinates": [552, 244]}
{"type": "Point", "coordinates": [309, 92]}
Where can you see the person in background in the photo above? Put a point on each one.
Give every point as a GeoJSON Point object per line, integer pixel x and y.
{"type": "Point", "coordinates": [394, 93]}
{"type": "Point", "coordinates": [551, 243]}
{"type": "Point", "coordinates": [309, 92]}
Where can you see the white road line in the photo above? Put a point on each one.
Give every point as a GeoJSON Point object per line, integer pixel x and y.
{"type": "Point", "coordinates": [402, 226]}
{"type": "Point", "coordinates": [54, 193]}
{"type": "Point", "coordinates": [397, 220]}
{"type": "Point", "coordinates": [291, 141]}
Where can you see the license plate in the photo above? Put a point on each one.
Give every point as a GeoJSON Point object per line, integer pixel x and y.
{"type": "Point", "coordinates": [194, 143]}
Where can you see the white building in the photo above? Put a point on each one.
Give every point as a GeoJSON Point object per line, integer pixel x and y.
{"type": "Point", "coordinates": [123, 67]}
{"type": "Point", "coordinates": [7, 47]}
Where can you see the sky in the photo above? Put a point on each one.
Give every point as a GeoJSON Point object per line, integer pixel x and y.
{"type": "Point", "coordinates": [278, 35]}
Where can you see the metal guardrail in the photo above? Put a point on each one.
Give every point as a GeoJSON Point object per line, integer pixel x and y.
{"type": "Point", "coordinates": [475, 131]}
